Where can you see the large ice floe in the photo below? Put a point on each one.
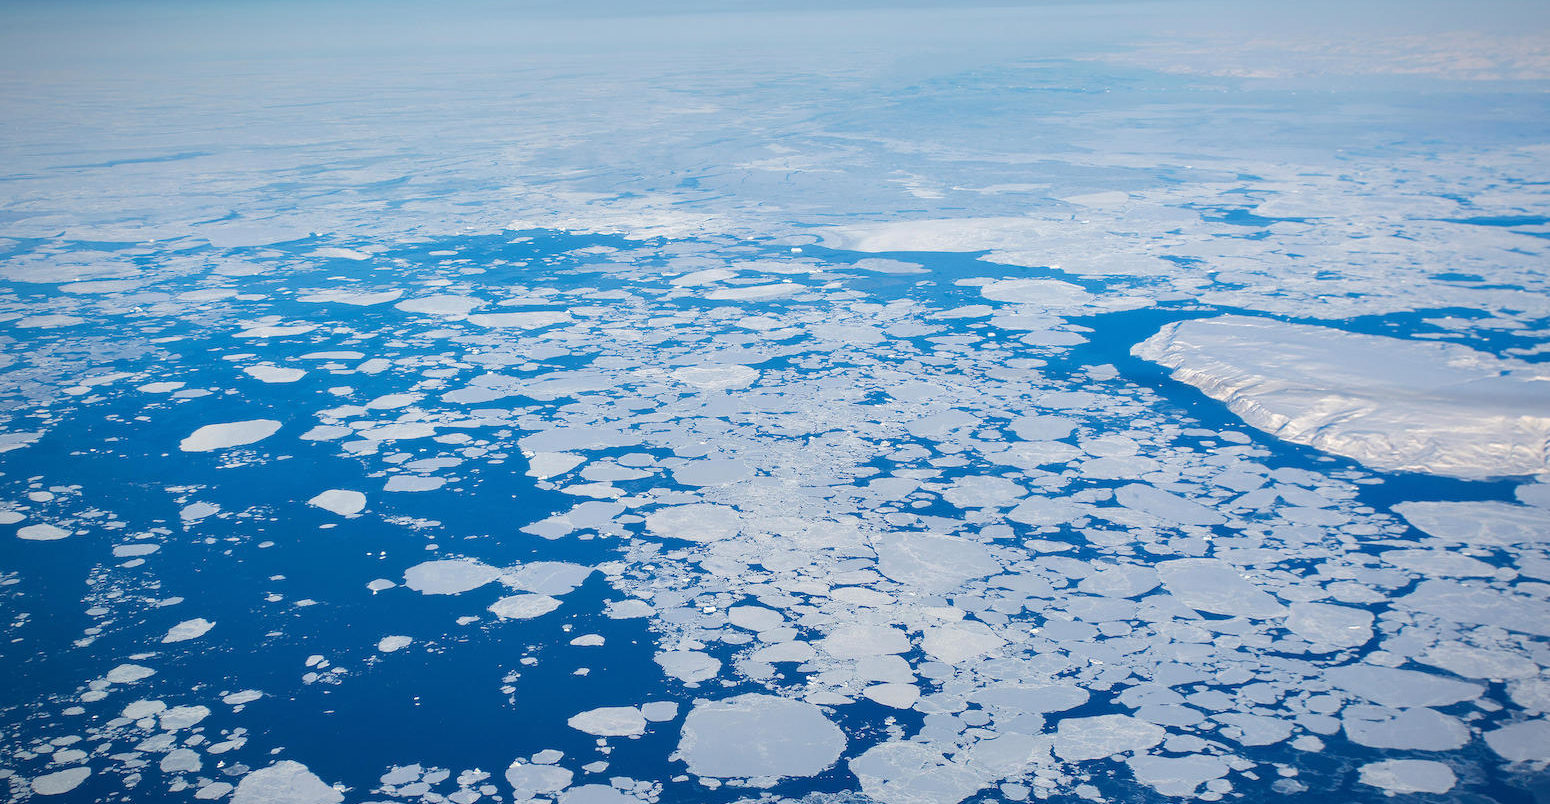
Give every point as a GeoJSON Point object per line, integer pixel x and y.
{"type": "Point", "coordinates": [1391, 403]}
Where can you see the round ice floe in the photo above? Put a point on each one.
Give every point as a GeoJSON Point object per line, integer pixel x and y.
{"type": "Point", "coordinates": [1177, 776]}
{"type": "Point", "coordinates": [1528, 741]}
{"type": "Point", "coordinates": [1084, 738]}
{"type": "Point", "coordinates": [1050, 293]}
{"type": "Point", "coordinates": [285, 782]}
{"type": "Point", "coordinates": [1472, 662]}
{"type": "Point", "coordinates": [530, 781]}
{"type": "Point", "coordinates": [60, 782]}
{"type": "Point", "coordinates": [717, 378]}
{"type": "Point", "coordinates": [545, 465]}
{"type": "Point", "coordinates": [931, 562]}
{"type": "Point", "coordinates": [41, 532]}
{"type": "Point", "coordinates": [696, 522]}
{"type": "Point", "coordinates": [954, 643]}
{"type": "Point", "coordinates": [449, 576]}
{"type": "Point", "coordinates": [610, 721]}
{"type": "Point", "coordinates": [188, 629]}
{"type": "Point", "coordinates": [911, 773]}
{"type": "Point", "coordinates": [389, 644]}
{"type": "Point", "coordinates": [596, 794]}
{"type": "Point", "coordinates": [712, 472]}
{"type": "Point", "coordinates": [856, 641]}
{"type": "Point", "coordinates": [1329, 626]}
{"type": "Point", "coordinates": [340, 501]}
{"type": "Point", "coordinates": [229, 434]}
{"type": "Point", "coordinates": [689, 665]}
{"type": "Point", "coordinates": [893, 694]}
{"type": "Point", "coordinates": [128, 674]}
{"type": "Point", "coordinates": [1165, 506]}
{"type": "Point", "coordinates": [759, 735]}
{"type": "Point", "coordinates": [1417, 729]}
{"type": "Point", "coordinates": [523, 607]}
{"type": "Point", "coordinates": [1409, 776]}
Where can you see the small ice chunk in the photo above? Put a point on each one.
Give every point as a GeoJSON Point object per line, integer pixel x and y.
{"type": "Point", "coordinates": [757, 735]}
{"type": "Point", "coordinates": [388, 644]}
{"type": "Point", "coordinates": [523, 606]}
{"type": "Point", "coordinates": [242, 697]}
{"type": "Point", "coordinates": [285, 782]}
{"type": "Point", "coordinates": [659, 711]}
{"type": "Point", "coordinates": [610, 721]}
{"type": "Point", "coordinates": [1402, 776]}
{"type": "Point", "coordinates": [60, 782]}
{"type": "Point", "coordinates": [229, 434]}
{"type": "Point", "coordinates": [340, 501]}
{"type": "Point", "coordinates": [41, 532]}
{"type": "Point", "coordinates": [188, 629]}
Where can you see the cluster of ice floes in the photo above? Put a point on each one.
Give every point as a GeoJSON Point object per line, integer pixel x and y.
{"type": "Point", "coordinates": [1397, 405]}
{"type": "Point", "coordinates": [911, 542]}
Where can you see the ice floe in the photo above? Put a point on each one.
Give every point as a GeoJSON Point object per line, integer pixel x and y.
{"type": "Point", "coordinates": [1392, 404]}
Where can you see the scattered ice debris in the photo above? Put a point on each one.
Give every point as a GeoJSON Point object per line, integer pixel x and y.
{"type": "Point", "coordinates": [284, 782]}
{"type": "Point", "coordinates": [1397, 405]}
{"type": "Point", "coordinates": [757, 735]}
{"type": "Point", "coordinates": [1405, 776]}
{"type": "Point", "coordinates": [230, 434]}
{"type": "Point", "coordinates": [188, 629]}
{"type": "Point", "coordinates": [339, 501]}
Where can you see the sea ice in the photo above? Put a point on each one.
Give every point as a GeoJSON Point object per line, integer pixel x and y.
{"type": "Point", "coordinates": [756, 735]}
{"type": "Point", "coordinates": [523, 607]}
{"type": "Point", "coordinates": [1084, 738]}
{"type": "Point", "coordinates": [1402, 776]}
{"type": "Point", "coordinates": [285, 782]}
{"type": "Point", "coordinates": [340, 501]}
{"type": "Point", "coordinates": [230, 434]}
{"type": "Point", "coordinates": [188, 629]}
{"type": "Point", "coordinates": [449, 576]}
{"type": "Point", "coordinates": [60, 782]}
{"type": "Point", "coordinates": [1393, 404]}
{"type": "Point", "coordinates": [610, 721]}
{"type": "Point", "coordinates": [41, 532]}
